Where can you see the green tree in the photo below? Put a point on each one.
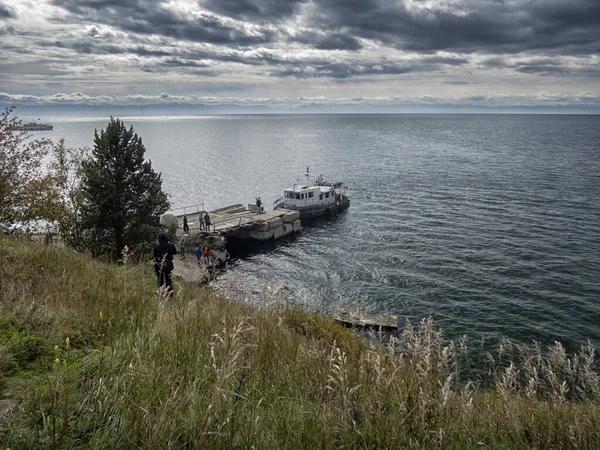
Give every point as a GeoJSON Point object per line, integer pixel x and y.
{"type": "Point", "coordinates": [66, 168]}
{"type": "Point", "coordinates": [27, 192]}
{"type": "Point", "coordinates": [122, 195]}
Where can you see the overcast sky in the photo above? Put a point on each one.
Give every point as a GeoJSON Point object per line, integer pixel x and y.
{"type": "Point", "coordinates": [348, 54]}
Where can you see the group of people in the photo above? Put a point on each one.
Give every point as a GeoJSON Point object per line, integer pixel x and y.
{"type": "Point", "coordinates": [164, 251]}
{"type": "Point", "coordinates": [203, 252]}
{"type": "Point", "coordinates": [204, 222]}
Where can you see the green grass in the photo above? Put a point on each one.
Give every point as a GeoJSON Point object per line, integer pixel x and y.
{"type": "Point", "coordinates": [200, 371]}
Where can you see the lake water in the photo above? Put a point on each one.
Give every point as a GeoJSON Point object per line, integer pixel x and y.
{"type": "Point", "coordinates": [488, 223]}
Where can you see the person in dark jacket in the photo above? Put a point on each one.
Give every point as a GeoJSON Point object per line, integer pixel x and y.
{"type": "Point", "coordinates": [207, 221]}
{"type": "Point", "coordinates": [186, 227]}
{"type": "Point", "coordinates": [163, 262]}
{"type": "Point", "coordinates": [198, 252]}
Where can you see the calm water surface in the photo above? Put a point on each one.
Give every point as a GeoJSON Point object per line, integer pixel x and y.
{"type": "Point", "coordinates": [488, 223]}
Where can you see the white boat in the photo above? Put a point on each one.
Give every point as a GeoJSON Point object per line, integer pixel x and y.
{"type": "Point", "coordinates": [35, 126]}
{"type": "Point", "coordinates": [314, 198]}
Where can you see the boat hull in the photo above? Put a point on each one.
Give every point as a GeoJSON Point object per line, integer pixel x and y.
{"type": "Point", "coordinates": [315, 212]}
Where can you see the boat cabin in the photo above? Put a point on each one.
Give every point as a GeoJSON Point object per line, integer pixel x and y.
{"type": "Point", "coordinates": [305, 196]}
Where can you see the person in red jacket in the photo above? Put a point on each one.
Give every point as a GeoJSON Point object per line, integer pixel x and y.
{"type": "Point", "coordinates": [206, 253]}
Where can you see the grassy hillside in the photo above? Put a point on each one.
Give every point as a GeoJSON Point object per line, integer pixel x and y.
{"type": "Point", "coordinates": [92, 357]}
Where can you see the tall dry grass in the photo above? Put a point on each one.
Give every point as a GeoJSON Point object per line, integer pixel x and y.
{"type": "Point", "coordinates": [142, 370]}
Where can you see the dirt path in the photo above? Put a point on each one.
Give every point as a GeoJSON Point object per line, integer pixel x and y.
{"type": "Point", "coordinates": [188, 268]}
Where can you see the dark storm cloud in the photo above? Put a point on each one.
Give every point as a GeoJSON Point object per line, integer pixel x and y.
{"type": "Point", "coordinates": [254, 10]}
{"type": "Point", "coordinates": [6, 30]}
{"type": "Point", "coordinates": [339, 71]}
{"type": "Point", "coordinates": [338, 42]}
{"type": "Point", "coordinates": [326, 41]}
{"type": "Point", "coordinates": [6, 12]}
{"type": "Point", "coordinates": [99, 7]}
{"type": "Point", "coordinates": [90, 47]}
{"type": "Point", "coordinates": [165, 58]}
{"type": "Point", "coordinates": [448, 60]}
{"type": "Point", "coordinates": [176, 62]}
{"type": "Point", "coordinates": [319, 39]}
{"type": "Point", "coordinates": [476, 98]}
{"type": "Point", "coordinates": [180, 66]}
{"type": "Point", "coordinates": [468, 26]}
{"type": "Point", "coordinates": [542, 69]}
{"type": "Point", "coordinates": [494, 62]}
{"type": "Point", "coordinates": [141, 50]}
{"type": "Point", "coordinates": [557, 27]}
{"type": "Point", "coordinates": [152, 17]}
{"type": "Point", "coordinates": [555, 66]}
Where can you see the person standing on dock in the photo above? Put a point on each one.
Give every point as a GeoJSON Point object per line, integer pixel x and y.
{"type": "Point", "coordinates": [186, 227]}
{"type": "Point", "coordinates": [163, 262]}
{"type": "Point", "coordinates": [207, 221]}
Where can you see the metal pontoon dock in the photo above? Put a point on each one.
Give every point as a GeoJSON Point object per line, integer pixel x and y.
{"type": "Point", "coordinates": [241, 222]}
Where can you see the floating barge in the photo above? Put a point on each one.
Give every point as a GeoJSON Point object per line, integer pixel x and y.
{"type": "Point", "coordinates": [366, 322]}
{"type": "Point", "coordinates": [239, 222]}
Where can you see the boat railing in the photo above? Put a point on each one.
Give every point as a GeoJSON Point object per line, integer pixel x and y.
{"type": "Point", "coordinates": [187, 209]}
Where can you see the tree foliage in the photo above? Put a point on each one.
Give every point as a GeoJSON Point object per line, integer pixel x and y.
{"type": "Point", "coordinates": [122, 195]}
{"type": "Point", "coordinates": [27, 193]}
{"type": "Point", "coordinates": [66, 168]}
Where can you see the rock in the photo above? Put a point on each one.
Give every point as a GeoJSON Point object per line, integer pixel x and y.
{"type": "Point", "coordinates": [169, 221]}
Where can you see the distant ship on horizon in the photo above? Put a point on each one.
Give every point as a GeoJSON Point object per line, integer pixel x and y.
{"type": "Point", "coordinates": [36, 126]}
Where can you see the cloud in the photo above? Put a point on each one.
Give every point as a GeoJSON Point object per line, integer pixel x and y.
{"type": "Point", "coordinates": [543, 69]}
{"type": "Point", "coordinates": [6, 12]}
{"type": "Point", "coordinates": [326, 40]}
{"type": "Point", "coordinates": [445, 59]}
{"type": "Point", "coordinates": [254, 10]}
{"type": "Point", "coordinates": [574, 66]}
{"type": "Point", "coordinates": [425, 47]}
{"type": "Point", "coordinates": [466, 25]}
{"type": "Point", "coordinates": [176, 62]}
{"type": "Point", "coordinates": [156, 17]}
{"type": "Point", "coordinates": [339, 71]}
{"type": "Point", "coordinates": [166, 99]}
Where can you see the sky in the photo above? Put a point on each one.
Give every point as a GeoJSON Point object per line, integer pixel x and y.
{"type": "Point", "coordinates": [301, 55]}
